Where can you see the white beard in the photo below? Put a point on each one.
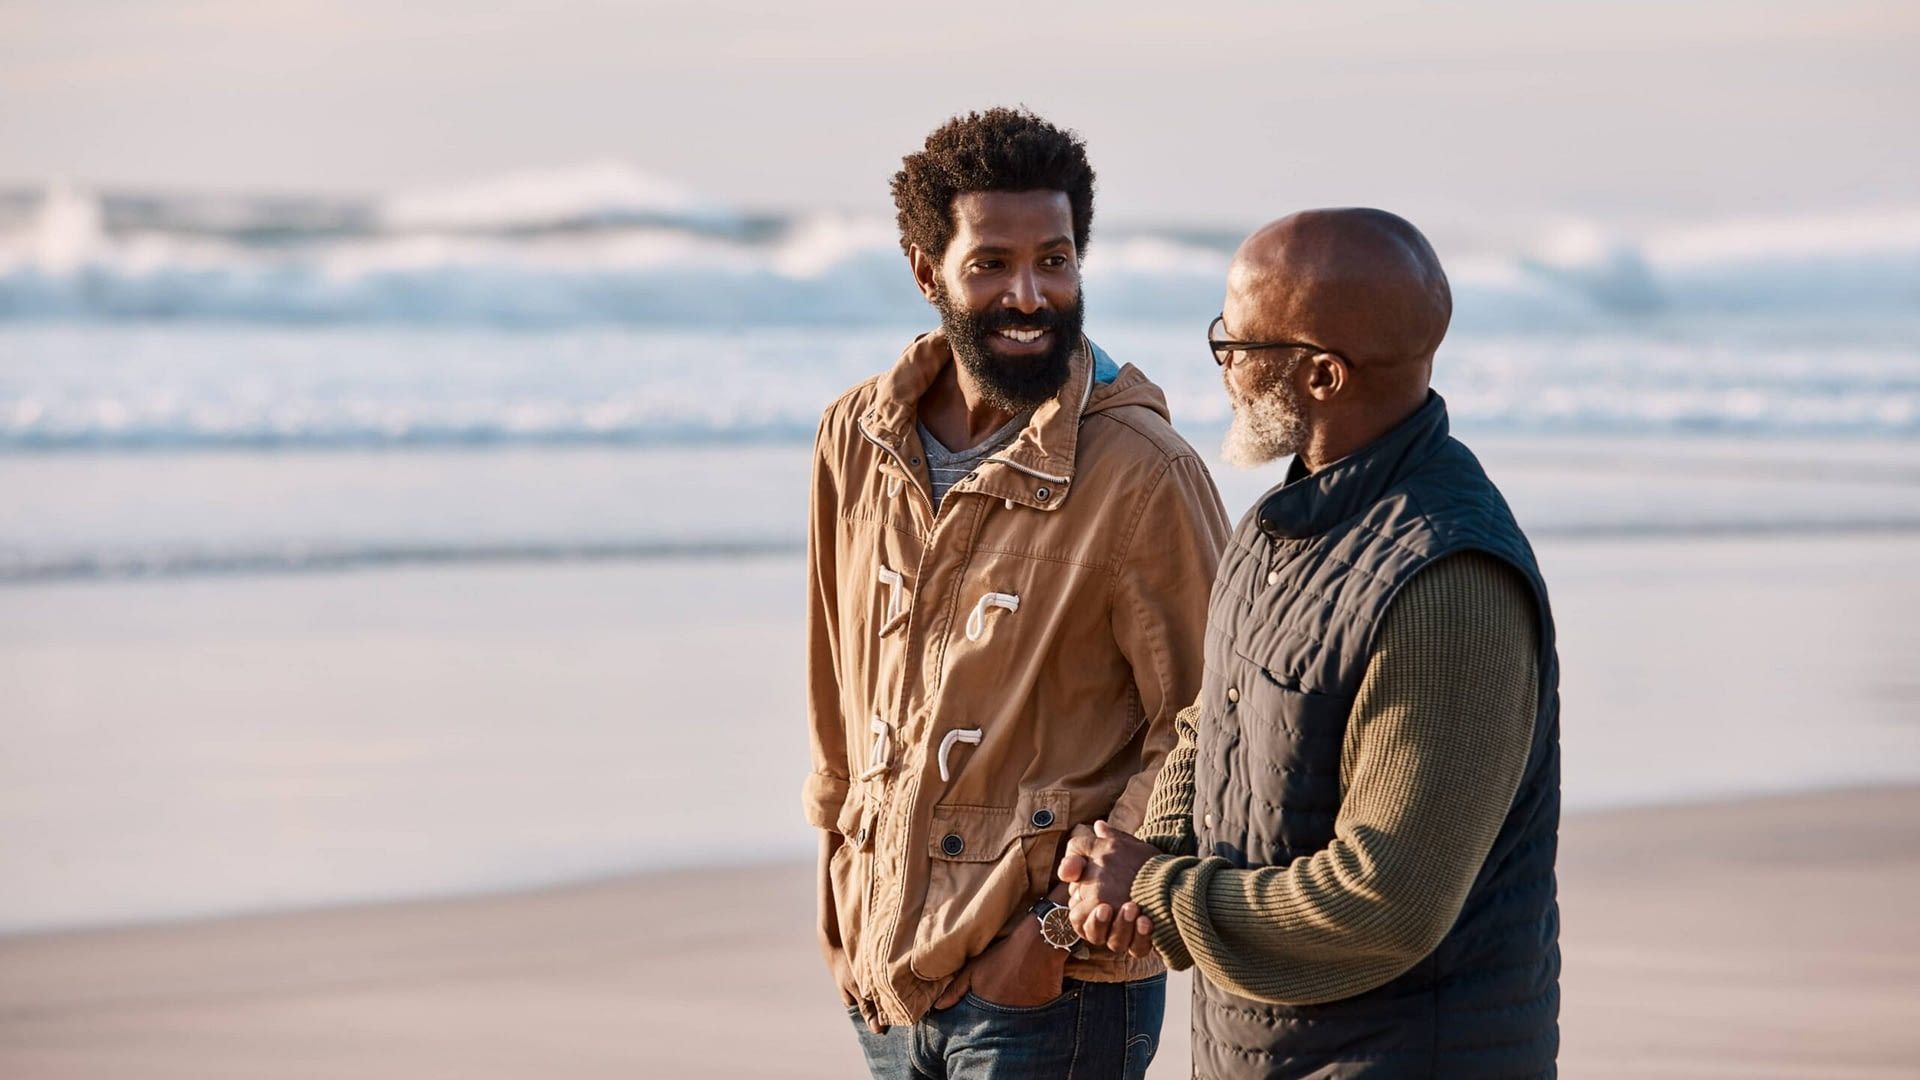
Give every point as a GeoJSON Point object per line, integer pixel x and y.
{"type": "Point", "coordinates": [1264, 428]}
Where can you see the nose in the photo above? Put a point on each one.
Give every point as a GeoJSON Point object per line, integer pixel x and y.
{"type": "Point", "coordinates": [1023, 293]}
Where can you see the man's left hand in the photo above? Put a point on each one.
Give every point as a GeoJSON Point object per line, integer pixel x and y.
{"type": "Point", "coordinates": [1100, 866]}
{"type": "Point", "coordinates": [1019, 971]}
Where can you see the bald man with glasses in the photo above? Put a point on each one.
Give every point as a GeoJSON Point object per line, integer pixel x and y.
{"type": "Point", "coordinates": [1354, 838]}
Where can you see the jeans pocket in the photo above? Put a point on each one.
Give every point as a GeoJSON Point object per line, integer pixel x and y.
{"type": "Point", "coordinates": [986, 1038]}
{"type": "Point", "coordinates": [1067, 997]}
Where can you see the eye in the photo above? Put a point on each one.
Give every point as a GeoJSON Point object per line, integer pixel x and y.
{"type": "Point", "coordinates": [1054, 262]}
{"type": "Point", "coordinates": [987, 265]}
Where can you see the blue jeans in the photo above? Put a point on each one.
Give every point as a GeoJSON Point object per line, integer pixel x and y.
{"type": "Point", "coordinates": [1092, 1031]}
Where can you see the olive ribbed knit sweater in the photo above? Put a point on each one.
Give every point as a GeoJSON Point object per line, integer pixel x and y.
{"type": "Point", "coordinates": [1433, 752]}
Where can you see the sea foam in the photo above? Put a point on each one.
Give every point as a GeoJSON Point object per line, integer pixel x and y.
{"type": "Point", "coordinates": [606, 244]}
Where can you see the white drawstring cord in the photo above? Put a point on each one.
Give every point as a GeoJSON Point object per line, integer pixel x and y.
{"type": "Point", "coordinates": [896, 600]}
{"type": "Point", "coordinates": [880, 752]}
{"type": "Point", "coordinates": [970, 736]}
{"type": "Point", "coordinates": [893, 486]}
{"type": "Point", "coordinates": [977, 622]}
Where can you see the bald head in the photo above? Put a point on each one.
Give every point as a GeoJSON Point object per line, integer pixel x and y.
{"type": "Point", "coordinates": [1362, 283]}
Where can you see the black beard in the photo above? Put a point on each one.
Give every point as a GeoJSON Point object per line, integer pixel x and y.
{"type": "Point", "coordinates": [1017, 384]}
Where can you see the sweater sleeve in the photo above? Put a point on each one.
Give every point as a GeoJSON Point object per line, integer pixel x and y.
{"type": "Point", "coordinates": [1433, 753]}
{"type": "Point", "coordinates": [1169, 824]}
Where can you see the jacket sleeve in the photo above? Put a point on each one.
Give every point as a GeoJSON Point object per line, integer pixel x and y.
{"type": "Point", "coordinates": [826, 787]}
{"type": "Point", "coordinates": [1160, 611]}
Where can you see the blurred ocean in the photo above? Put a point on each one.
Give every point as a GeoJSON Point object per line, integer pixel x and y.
{"type": "Point", "coordinates": [599, 307]}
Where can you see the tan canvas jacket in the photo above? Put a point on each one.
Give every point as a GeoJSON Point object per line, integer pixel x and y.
{"type": "Point", "coordinates": [984, 679]}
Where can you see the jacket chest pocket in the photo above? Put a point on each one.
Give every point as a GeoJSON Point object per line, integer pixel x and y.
{"type": "Point", "coordinates": [984, 863]}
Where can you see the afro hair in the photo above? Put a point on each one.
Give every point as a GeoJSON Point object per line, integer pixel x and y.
{"type": "Point", "coordinates": [996, 150]}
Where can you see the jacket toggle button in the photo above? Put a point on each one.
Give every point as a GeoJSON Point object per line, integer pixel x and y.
{"type": "Point", "coordinates": [1042, 818]}
{"type": "Point", "coordinates": [952, 844]}
{"type": "Point", "coordinates": [1208, 819]}
{"type": "Point", "coordinates": [1273, 577]}
{"type": "Point", "coordinates": [1233, 693]}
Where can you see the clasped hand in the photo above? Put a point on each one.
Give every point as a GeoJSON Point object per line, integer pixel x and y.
{"type": "Point", "coordinates": [1099, 868]}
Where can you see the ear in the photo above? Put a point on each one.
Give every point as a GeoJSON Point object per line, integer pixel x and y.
{"type": "Point", "coordinates": [1326, 376]}
{"type": "Point", "coordinates": [926, 272]}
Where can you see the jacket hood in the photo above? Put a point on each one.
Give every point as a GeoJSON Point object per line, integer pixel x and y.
{"type": "Point", "coordinates": [1130, 387]}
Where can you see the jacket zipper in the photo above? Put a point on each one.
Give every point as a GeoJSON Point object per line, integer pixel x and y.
{"type": "Point", "coordinates": [1086, 395]}
{"type": "Point", "coordinates": [1035, 473]}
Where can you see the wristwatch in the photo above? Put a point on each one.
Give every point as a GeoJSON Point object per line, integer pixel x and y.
{"type": "Point", "coordinates": [1057, 930]}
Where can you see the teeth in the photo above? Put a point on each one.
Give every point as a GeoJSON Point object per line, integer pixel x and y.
{"type": "Point", "coordinates": [1022, 335]}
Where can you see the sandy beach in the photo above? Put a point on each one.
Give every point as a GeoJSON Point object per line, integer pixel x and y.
{"type": "Point", "coordinates": [1761, 938]}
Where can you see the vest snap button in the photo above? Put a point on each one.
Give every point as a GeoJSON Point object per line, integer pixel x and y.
{"type": "Point", "coordinates": [1042, 818]}
{"type": "Point", "coordinates": [952, 844]}
{"type": "Point", "coordinates": [1233, 693]}
{"type": "Point", "coordinates": [1043, 494]}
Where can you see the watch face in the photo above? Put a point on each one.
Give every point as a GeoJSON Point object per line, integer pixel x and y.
{"type": "Point", "coordinates": [1057, 929]}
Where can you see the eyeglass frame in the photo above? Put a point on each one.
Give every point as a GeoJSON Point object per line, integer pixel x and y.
{"type": "Point", "coordinates": [1222, 346]}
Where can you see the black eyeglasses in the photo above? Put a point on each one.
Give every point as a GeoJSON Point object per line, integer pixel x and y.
{"type": "Point", "coordinates": [1223, 347]}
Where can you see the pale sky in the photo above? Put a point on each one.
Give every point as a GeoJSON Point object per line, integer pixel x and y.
{"type": "Point", "coordinates": [1201, 112]}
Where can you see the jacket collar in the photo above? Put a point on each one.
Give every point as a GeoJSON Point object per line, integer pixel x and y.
{"type": "Point", "coordinates": [1036, 469]}
{"type": "Point", "coordinates": [1309, 504]}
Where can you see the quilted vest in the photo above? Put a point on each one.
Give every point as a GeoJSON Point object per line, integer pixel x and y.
{"type": "Point", "coordinates": [1299, 596]}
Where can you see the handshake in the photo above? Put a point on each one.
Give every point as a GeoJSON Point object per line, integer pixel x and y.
{"type": "Point", "coordinates": [1099, 867]}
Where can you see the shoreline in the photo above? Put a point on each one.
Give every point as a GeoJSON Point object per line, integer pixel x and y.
{"type": "Point", "coordinates": [272, 563]}
{"type": "Point", "coordinates": [1764, 936]}
{"type": "Point", "coordinates": [211, 515]}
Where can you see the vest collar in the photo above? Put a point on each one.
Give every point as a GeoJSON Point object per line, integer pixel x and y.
{"type": "Point", "coordinates": [1308, 504]}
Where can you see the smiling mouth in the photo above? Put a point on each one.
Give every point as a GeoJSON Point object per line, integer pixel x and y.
{"type": "Point", "coordinates": [1024, 337]}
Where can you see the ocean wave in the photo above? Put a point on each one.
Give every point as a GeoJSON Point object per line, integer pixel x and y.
{"type": "Point", "coordinates": [606, 244]}
{"type": "Point", "coordinates": [204, 386]}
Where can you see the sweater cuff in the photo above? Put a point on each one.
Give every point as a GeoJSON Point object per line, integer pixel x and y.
{"type": "Point", "coordinates": [822, 799]}
{"type": "Point", "coordinates": [1169, 840]}
{"type": "Point", "coordinates": [1153, 890]}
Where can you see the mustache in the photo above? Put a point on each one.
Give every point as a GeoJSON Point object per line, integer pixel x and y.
{"type": "Point", "coordinates": [1048, 319]}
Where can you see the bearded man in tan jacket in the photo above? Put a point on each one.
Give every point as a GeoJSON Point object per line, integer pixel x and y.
{"type": "Point", "coordinates": [1009, 561]}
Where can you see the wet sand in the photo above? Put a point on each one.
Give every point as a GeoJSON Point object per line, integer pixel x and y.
{"type": "Point", "coordinates": [1757, 938]}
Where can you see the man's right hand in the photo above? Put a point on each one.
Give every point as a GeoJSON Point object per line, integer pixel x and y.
{"type": "Point", "coordinates": [842, 970]}
{"type": "Point", "coordinates": [1099, 869]}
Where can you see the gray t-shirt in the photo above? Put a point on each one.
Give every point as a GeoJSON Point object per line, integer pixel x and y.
{"type": "Point", "coordinates": [946, 468]}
